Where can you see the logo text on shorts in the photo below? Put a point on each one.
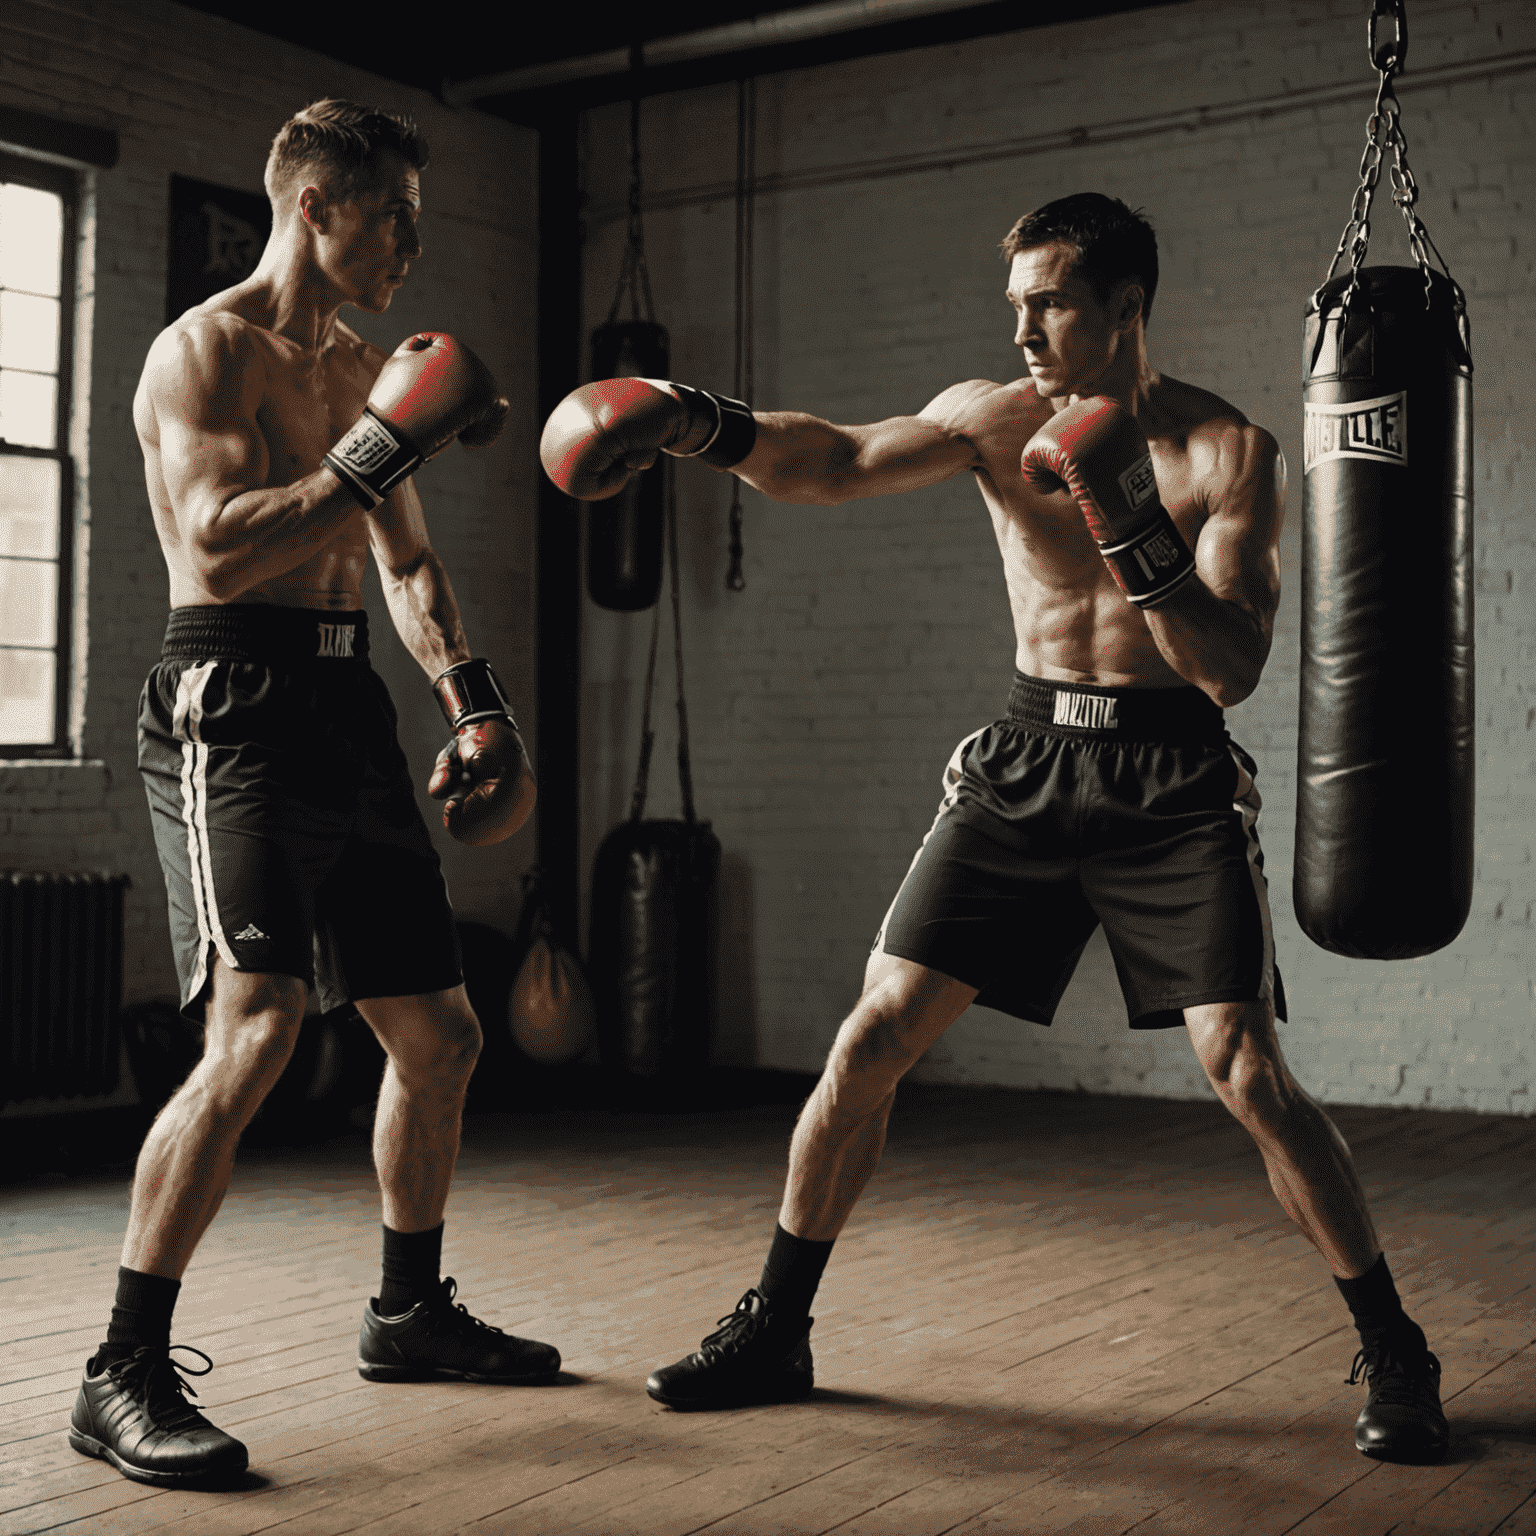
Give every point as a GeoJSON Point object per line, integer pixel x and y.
{"type": "Point", "coordinates": [1092, 712]}
{"type": "Point", "coordinates": [335, 639]}
{"type": "Point", "coordinates": [366, 446]}
{"type": "Point", "coordinates": [1374, 430]}
{"type": "Point", "coordinates": [1139, 483]}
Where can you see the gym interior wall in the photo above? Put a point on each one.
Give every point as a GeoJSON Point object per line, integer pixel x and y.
{"type": "Point", "coordinates": [825, 698]}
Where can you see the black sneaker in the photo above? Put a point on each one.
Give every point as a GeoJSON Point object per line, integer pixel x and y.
{"type": "Point", "coordinates": [134, 1413]}
{"type": "Point", "coordinates": [1402, 1419]}
{"type": "Point", "coordinates": [749, 1359]}
{"type": "Point", "coordinates": [438, 1340]}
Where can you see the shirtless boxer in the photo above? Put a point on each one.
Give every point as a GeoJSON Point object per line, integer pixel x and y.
{"type": "Point", "coordinates": [1109, 794]}
{"type": "Point", "coordinates": [278, 449]}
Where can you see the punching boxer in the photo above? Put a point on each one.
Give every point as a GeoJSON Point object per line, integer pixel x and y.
{"type": "Point", "coordinates": [1139, 524]}
{"type": "Point", "coordinates": [279, 449]}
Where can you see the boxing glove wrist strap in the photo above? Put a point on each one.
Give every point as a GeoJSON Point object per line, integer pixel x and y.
{"type": "Point", "coordinates": [469, 691]}
{"type": "Point", "coordinates": [1153, 563]}
{"type": "Point", "coordinates": [372, 458]}
{"type": "Point", "coordinates": [735, 426]}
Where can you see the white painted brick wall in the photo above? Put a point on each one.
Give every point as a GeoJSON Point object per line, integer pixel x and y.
{"type": "Point", "coordinates": [826, 698]}
{"type": "Point", "coordinates": [201, 97]}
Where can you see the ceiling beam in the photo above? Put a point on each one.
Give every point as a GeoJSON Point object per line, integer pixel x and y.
{"type": "Point", "coordinates": [773, 29]}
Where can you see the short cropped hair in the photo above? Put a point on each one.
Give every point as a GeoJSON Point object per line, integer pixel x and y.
{"type": "Point", "coordinates": [334, 144]}
{"type": "Point", "coordinates": [1113, 242]}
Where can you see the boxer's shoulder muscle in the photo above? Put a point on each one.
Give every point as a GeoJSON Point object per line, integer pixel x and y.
{"type": "Point", "coordinates": [1210, 446]}
{"type": "Point", "coordinates": [205, 367]}
{"type": "Point", "coordinates": [999, 419]}
{"type": "Point", "coordinates": [981, 408]}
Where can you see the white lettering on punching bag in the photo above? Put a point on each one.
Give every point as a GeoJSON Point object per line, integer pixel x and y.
{"type": "Point", "coordinates": [1375, 430]}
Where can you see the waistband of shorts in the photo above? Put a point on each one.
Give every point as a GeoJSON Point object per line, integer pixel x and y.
{"type": "Point", "coordinates": [1088, 713]}
{"type": "Point", "coordinates": [265, 632]}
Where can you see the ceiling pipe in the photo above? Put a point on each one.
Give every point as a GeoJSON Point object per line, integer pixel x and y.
{"type": "Point", "coordinates": [766, 31]}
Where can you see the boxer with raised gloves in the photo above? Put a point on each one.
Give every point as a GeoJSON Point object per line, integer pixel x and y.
{"type": "Point", "coordinates": [430, 390]}
{"type": "Point", "coordinates": [1096, 451]}
{"type": "Point", "coordinates": [483, 772]}
{"type": "Point", "coordinates": [600, 434]}
{"type": "Point", "coordinates": [303, 868]}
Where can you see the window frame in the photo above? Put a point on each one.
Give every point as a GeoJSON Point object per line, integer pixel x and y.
{"type": "Point", "coordinates": [65, 181]}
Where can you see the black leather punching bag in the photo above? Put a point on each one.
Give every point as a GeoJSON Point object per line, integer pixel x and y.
{"type": "Point", "coordinates": [624, 532]}
{"type": "Point", "coordinates": [653, 947]}
{"type": "Point", "coordinates": [1385, 772]}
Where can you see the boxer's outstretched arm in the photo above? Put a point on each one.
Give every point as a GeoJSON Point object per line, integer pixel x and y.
{"type": "Point", "coordinates": [604, 432]}
{"type": "Point", "coordinates": [806, 460]}
{"type": "Point", "coordinates": [203, 384]}
{"type": "Point", "coordinates": [1216, 631]}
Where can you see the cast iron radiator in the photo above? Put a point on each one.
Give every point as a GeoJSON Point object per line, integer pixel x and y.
{"type": "Point", "coordinates": [61, 983]}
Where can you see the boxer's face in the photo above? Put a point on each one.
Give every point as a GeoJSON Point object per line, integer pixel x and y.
{"type": "Point", "coordinates": [1068, 335]}
{"type": "Point", "coordinates": [370, 239]}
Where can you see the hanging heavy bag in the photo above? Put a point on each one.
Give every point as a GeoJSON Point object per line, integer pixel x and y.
{"type": "Point", "coordinates": [1385, 773]}
{"type": "Point", "coordinates": [624, 532]}
{"type": "Point", "coordinates": [550, 1011]}
{"type": "Point", "coordinates": [654, 932]}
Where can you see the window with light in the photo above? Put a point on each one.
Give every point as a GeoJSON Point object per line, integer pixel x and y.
{"type": "Point", "coordinates": [37, 209]}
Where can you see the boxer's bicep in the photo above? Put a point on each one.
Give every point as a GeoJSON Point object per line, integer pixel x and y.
{"type": "Point", "coordinates": [205, 390]}
{"type": "Point", "coordinates": [908, 453]}
{"type": "Point", "coordinates": [1238, 550]}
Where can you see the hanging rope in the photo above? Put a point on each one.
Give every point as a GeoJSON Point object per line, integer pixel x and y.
{"type": "Point", "coordinates": [684, 764]}
{"type": "Point", "coordinates": [634, 276]}
{"type": "Point", "coordinates": [647, 735]}
{"type": "Point", "coordinates": [746, 189]}
{"type": "Point", "coordinates": [1383, 132]}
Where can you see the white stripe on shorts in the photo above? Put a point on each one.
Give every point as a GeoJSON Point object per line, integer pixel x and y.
{"type": "Point", "coordinates": [1247, 804]}
{"type": "Point", "coordinates": [187, 724]}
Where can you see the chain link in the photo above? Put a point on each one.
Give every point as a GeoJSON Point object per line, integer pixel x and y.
{"type": "Point", "coordinates": [1384, 135]}
{"type": "Point", "coordinates": [634, 275]}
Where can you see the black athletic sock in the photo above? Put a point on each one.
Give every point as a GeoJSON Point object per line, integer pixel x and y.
{"type": "Point", "coordinates": [1378, 1313]}
{"type": "Point", "coordinates": [141, 1315]}
{"type": "Point", "coordinates": [411, 1264]}
{"type": "Point", "coordinates": [792, 1273]}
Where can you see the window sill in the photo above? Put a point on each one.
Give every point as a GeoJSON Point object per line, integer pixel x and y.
{"type": "Point", "coordinates": [69, 765]}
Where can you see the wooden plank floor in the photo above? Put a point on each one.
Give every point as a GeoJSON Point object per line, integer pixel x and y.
{"type": "Point", "coordinates": [1051, 1313]}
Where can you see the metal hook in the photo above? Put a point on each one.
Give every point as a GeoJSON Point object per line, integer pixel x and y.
{"type": "Point", "coordinates": [1388, 57]}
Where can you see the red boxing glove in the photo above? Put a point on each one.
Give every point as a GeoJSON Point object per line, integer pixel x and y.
{"type": "Point", "coordinates": [484, 776]}
{"type": "Point", "coordinates": [600, 434]}
{"type": "Point", "coordinates": [430, 390]}
{"type": "Point", "coordinates": [1095, 450]}
{"type": "Point", "coordinates": [483, 772]}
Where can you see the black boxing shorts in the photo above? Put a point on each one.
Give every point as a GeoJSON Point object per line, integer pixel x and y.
{"type": "Point", "coordinates": [283, 809]}
{"type": "Point", "coordinates": [1132, 808]}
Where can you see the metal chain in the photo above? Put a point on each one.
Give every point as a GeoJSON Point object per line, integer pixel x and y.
{"type": "Point", "coordinates": [634, 275]}
{"type": "Point", "coordinates": [1383, 134]}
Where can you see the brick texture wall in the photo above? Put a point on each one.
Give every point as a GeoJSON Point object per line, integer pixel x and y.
{"type": "Point", "coordinates": [825, 699]}
{"type": "Point", "coordinates": [201, 97]}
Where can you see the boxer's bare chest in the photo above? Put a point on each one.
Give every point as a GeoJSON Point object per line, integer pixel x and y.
{"type": "Point", "coordinates": [310, 399]}
{"type": "Point", "coordinates": [1044, 537]}
{"type": "Point", "coordinates": [1070, 618]}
